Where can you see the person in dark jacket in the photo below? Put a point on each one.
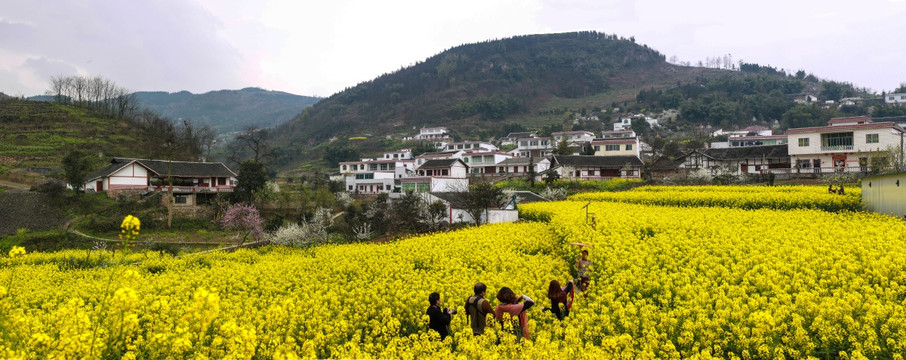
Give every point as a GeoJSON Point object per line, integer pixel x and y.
{"type": "Point", "coordinates": [438, 319]}
{"type": "Point", "coordinates": [559, 295]}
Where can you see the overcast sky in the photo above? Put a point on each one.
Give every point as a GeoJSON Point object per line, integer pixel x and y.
{"type": "Point", "coordinates": [321, 47]}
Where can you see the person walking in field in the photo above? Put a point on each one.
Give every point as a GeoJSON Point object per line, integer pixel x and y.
{"type": "Point", "coordinates": [558, 295]}
{"type": "Point", "coordinates": [582, 264]}
{"type": "Point", "coordinates": [438, 319]}
{"type": "Point", "coordinates": [477, 309]}
{"type": "Point", "coordinates": [509, 304]}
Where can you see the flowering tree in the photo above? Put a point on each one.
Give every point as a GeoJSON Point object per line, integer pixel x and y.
{"type": "Point", "coordinates": [243, 219]}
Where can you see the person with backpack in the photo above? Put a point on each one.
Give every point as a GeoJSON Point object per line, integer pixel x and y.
{"type": "Point", "coordinates": [509, 304]}
{"type": "Point", "coordinates": [559, 295]}
{"type": "Point", "coordinates": [477, 309]}
{"type": "Point", "coordinates": [438, 319]}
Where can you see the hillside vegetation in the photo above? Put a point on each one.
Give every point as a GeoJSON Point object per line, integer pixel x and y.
{"type": "Point", "coordinates": [536, 81]}
{"type": "Point", "coordinates": [227, 110]}
{"type": "Point", "coordinates": [35, 135]}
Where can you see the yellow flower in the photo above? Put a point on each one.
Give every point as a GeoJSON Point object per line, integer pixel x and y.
{"type": "Point", "coordinates": [16, 251]}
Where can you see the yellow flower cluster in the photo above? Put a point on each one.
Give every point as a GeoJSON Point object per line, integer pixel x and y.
{"type": "Point", "coordinates": [129, 229]}
{"type": "Point", "coordinates": [734, 283]}
{"type": "Point", "coordinates": [16, 251]}
{"type": "Point", "coordinates": [744, 197]}
{"type": "Point", "coordinates": [667, 282]}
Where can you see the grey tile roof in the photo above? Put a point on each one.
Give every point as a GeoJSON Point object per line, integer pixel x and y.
{"type": "Point", "coordinates": [749, 152]}
{"type": "Point", "coordinates": [439, 163]}
{"type": "Point", "coordinates": [588, 160]}
{"type": "Point", "coordinates": [164, 167]}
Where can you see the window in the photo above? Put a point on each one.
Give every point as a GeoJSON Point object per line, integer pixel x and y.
{"type": "Point", "coordinates": [364, 176]}
{"type": "Point", "coordinates": [816, 163]}
{"type": "Point", "coordinates": [221, 181]}
{"type": "Point", "coordinates": [181, 199]}
{"type": "Point", "coordinates": [837, 141]}
{"type": "Point", "coordinates": [344, 167]}
{"type": "Point", "coordinates": [890, 98]}
{"type": "Point", "coordinates": [597, 147]}
{"type": "Point", "coordinates": [803, 164]}
{"type": "Point", "coordinates": [489, 159]}
{"type": "Point", "coordinates": [803, 142]}
{"type": "Point", "coordinates": [445, 172]}
{"type": "Point", "coordinates": [628, 146]}
{"type": "Point", "coordinates": [465, 159]}
{"type": "Point", "coordinates": [611, 147]}
{"type": "Point", "coordinates": [350, 187]}
{"type": "Point", "coordinates": [871, 138]}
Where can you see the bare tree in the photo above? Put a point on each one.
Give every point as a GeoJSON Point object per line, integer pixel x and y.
{"type": "Point", "coordinates": [253, 142]}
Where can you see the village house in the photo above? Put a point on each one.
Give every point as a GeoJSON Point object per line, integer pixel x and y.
{"type": "Point", "coordinates": [430, 133]}
{"type": "Point", "coordinates": [533, 146]}
{"type": "Point", "coordinates": [616, 147]}
{"type": "Point", "coordinates": [736, 161]}
{"type": "Point", "coordinates": [844, 145]}
{"type": "Point", "coordinates": [484, 162]}
{"type": "Point", "coordinates": [470, 145]}
{"type": "Point", "coordinates": [572, 138]}
{"type": "Point", "coordinates": [583, 167]}
{"type": "Point", "coordinates": [519, 166]}
{"type": "Point", "coordinates": [193, 182]}
{"type": "Point", "coordinates": [513, 138]}
{"type": "Point", "coordinates": [738, 141]}
{"type": "Point", "coordinates": [438, 175]}
{"type": "Point", "coordinates": [625, 122]}
{"type": "Point", "coordinates": [898, 98]}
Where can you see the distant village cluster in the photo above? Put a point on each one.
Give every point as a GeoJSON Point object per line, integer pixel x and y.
{"type": "Point", "coordinates": [845, 145]}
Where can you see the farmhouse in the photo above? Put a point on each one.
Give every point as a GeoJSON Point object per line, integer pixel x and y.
{"type": "Point", "coordinates": [582, 167]}
{"type": "Point", "coordinates": [189, 179]}
{"type": "Point", "coordinates": [844, 145]}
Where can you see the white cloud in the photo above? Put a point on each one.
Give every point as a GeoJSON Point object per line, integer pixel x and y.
{"type": "Point", "coordinates": [318, 48]}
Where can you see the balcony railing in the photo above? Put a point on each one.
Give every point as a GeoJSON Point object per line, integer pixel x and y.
{"type": "Point", "coordinates": [837, 147]}
{"type": "Point", "coordinates": [190, 189]}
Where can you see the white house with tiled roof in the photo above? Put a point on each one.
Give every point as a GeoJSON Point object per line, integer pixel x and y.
{"type": "Point", "coordinates": [844, 145]}
{"type": "Point", "coordinates": [898, 98]}
{"type": "Point", "coordinates": [444, 175]}
{"type": "Point", "coordinates": [188, 178]}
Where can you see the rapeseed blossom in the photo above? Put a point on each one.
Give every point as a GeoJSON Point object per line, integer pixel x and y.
{"type": "Point", "coordinates": [667, 282]}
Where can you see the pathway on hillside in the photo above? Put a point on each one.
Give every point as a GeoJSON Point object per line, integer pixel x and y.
{"type": "Point", "coordinates": [13, 186]}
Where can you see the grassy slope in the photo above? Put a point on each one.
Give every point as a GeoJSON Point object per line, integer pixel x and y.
{"type": "Point", "coordinates": [38, 134]}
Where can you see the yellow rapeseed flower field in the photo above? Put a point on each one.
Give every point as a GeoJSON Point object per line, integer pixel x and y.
{"type": "Point", "coordinates": [667, 282]}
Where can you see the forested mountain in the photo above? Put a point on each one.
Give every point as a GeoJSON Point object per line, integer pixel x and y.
{"type": "Point", "coordinates": [551, 82]}
{"type": "Point", "coordinates": [227, 110]}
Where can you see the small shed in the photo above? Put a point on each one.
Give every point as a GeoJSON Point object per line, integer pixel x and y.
{"type": "Point", "coordinates": [885, 193]}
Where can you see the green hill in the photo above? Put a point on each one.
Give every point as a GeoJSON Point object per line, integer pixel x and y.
{"type": "Point", "coordinates": [35, 135]}
{"type": "Point", "coordinates": [227, 110]}
{"type": "Point", "coordinates": [480, 90]}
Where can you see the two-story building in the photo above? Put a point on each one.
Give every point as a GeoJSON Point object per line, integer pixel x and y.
{"type": "Point", "coordinates": [513, 138]}
{"type": "Point", "coordinates": [192, 182]}
{"type": "Point", "coordinates": [380, 175]}
{"type": "Point", "coordinates": [616, 147]}
{"type": "Point", "coordinates": [430, 133]}
{"type": "Point", "coordinates": [844, 145]}
{"type": "Point", "coordinates": [519, 166]}
{"type": "Point", "coordinates": [484, 162]}
{"type": "Point", "coordinates": [438, 175]}
{"type": "Point", "coordinates": [573, 138]}
{"type": "Point", "coordinates": [533, 146]}
{"type": "Point", "coordinates": [898, 98]}
{"type": "Point", "coordinates": [625, 122]}
{"type": "Point", "coordinates": [470, 145]}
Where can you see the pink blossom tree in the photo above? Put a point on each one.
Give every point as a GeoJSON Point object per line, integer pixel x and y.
{"type": "Point", "coordinates": [243, 219]}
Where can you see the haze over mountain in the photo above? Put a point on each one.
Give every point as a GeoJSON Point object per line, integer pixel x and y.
{"type": "Point", "coordinates": [227, 110]}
